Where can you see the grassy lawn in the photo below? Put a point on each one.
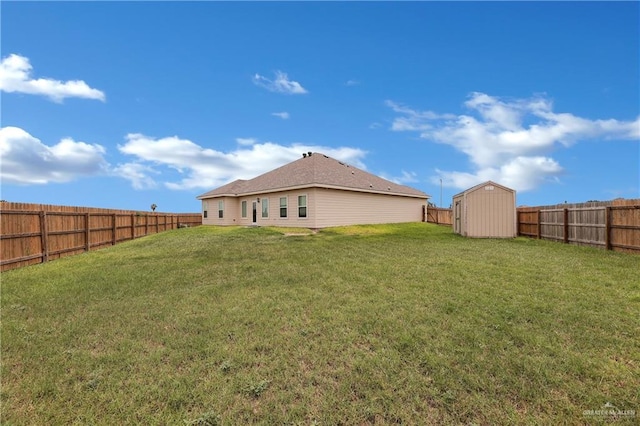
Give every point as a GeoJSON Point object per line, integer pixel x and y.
{"type": "Point", "coordinates": [386, 324]}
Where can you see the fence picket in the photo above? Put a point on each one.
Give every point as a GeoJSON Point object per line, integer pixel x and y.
{"type": "Point", "coordinates": [613, 225]}
{"type": "Point", "coordinates": [45, 234]}
{"type": "Point", "coordinates": [37, 233]}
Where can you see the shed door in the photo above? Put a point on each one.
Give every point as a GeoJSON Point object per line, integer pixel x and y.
{"type": "Point", "coordinates": [456, 222]}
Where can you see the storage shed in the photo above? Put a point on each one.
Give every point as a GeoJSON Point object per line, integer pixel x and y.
{"type": "Point", "coordinates": [487, 210]}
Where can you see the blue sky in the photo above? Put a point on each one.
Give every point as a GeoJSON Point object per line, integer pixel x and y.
{"type": "Point", "coordinates": [125, 104]}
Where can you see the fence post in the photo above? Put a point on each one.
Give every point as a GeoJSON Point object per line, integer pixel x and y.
{"type": "Point", "coordinates": [566, 225]}
{"type": "Point", "coordinates": [607, 227]}
{"type": "Point", "coordinates": [539, 225]}
{"type": "Point", "coordinates": [146, 224]}
{"type": "Point", "coordinates": [70, 224]}
{"type": "Point", "coordinates": [87, 232]}
{"type": "Point", "coordinates": [43, 236]}
{"type": "Point", "coordinates": [115, 230]}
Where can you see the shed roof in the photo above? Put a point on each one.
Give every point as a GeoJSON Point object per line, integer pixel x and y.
{"type": "Point", "coordinates": [316, 170]}
{"type": "Point", "coordinates": [481, 185]}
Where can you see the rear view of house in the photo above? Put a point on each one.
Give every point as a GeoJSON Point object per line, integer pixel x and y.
{"type": "Point", "coordinates": [487, 210]}
{"type": "Point", "coordinates": [315, 191]}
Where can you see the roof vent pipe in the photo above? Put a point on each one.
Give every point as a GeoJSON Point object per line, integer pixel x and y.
{"type": "Point", "coordinates": [304, 155]}
{"type": "Point", "coordinates": [309, 153]}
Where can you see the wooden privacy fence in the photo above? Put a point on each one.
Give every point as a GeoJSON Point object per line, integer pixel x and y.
{"type": "Point", "coordinates": [439, 216]}
{"type": "Point", "coordinates": [34, 236]}
{"type": "Point", "coordinates": [612, 225]}
{"type": "Point", "coordinates": [604, 225]}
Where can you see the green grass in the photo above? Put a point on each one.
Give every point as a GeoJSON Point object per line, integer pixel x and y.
{"type": "Point", "coordinates": [357, 325]}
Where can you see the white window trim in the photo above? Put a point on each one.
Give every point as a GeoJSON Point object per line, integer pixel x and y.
{"type": "Point", "coordinates": [306, 205]}
{"type": "Point", "coordinates": [262, 200]}
{"type": "Point", "coordinates": [286, 197]}
{"type": "Point", "coordinates": [244, 211]}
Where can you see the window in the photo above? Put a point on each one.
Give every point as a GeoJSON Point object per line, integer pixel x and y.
{"type": "Point", "coordinates": [283, 206]}
{"type": "Point", "coordinates": [205, 207]}
{"type": "Point", "coordinates": [244, 209]}
{"type": "Point", "coordinates": [220, 209]}
{"type": "Point", "coordinates": [265, 207]}
{"type": "Point", "coordinates": [302, 206]}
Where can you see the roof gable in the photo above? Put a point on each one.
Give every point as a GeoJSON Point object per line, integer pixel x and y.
{"type": "Point", "coordinates": [481, 185]}
{"type": "Point", "coordinates": [231, 188]}
{"type": "Point", "coordinates": [316, 170]}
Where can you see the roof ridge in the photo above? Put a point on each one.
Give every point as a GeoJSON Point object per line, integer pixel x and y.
{"type": "Point", "coordinates": [319, 170]}
{"type": "Point", "coordinates": [478, 186]}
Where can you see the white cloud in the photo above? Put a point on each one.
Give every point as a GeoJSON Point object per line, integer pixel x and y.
{"type": "Point", "coordinates": [521, 173]}
{"type": "Point", "coordinates": [15, 76]}
{"type": "Point", "coordinates": [26, 160]}
{"type": "Point", "coordinates": [246, 141]}
{"type": "Point", "coordinates": [283, 115]}
{"type": "Point", "coordinates": [352, 83]}
{"type": "Point", "coordinates": [500, 146]}
{"type": "Point", "coordinates": [403, 179]}
{"type": "Point", "coordinates": [413, 120]}
{"type": "Point", "coordinates": [138, 174]}
{"type": "Point", "coordinates": [206, 168]}
{"type": "Point", "coordinates": [281, 84]}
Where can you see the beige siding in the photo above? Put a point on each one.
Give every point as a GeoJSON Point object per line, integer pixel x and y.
{"type": "Point", "coordinates": [248, 220]}
{"type": "Point", "coordinates": [231, 211]}
{"type": "Point", "coordinates": [338, 208]}
{"type": "Point", "coordinates": [485, 212]}
{"type": "Point", "coordinates": [274, 219]}
{"type": "Point", "coordinates": [325, 208]}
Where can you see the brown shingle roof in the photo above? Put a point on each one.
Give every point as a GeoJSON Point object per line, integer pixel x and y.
{"type": "Point", "coordinates": [231, 188]}
{"type": "Point", "coordinates": [317, 170]}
